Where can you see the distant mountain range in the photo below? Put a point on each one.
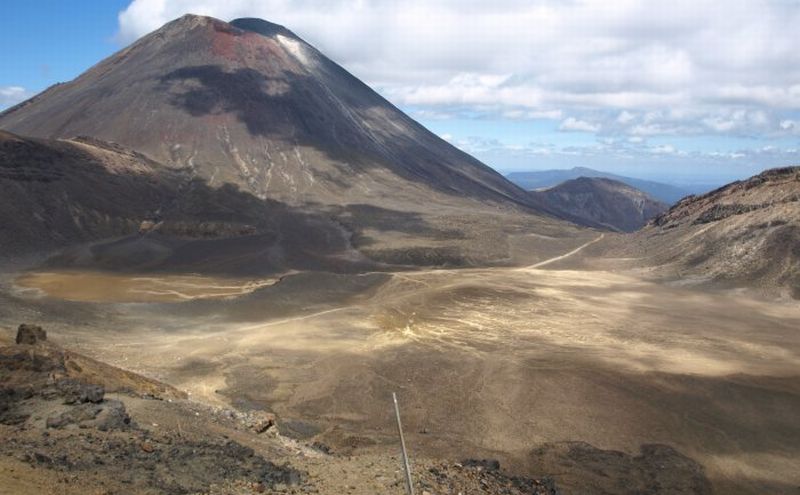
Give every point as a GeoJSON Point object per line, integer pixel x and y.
{"type": "Point", "coordinates": [667, 193]}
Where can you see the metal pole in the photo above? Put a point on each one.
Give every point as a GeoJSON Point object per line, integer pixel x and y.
{"type": "Point", "coordinates": [406, 466]}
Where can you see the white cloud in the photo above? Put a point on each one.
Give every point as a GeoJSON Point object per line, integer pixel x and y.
{"type": "Point", "coordinates": [640, 159]}
{"type": "Point", "coordinates": [625, 117]}
{"type": "Point", "coordinates": [521, 114]}
{"type": "Point", "coordinates": [433, 114]}
{"type": "Point", "coordinates": [734, 155]}
{"type": "Point", "coordinates": [11, 95]}
{"type": "Point", "coordinates": [790, 126]}
{"type": "Point", "coordinates": [738, 120]}
{"type": "Point", "coordinates": [635, 67]}
{"type": "Point", "coordinates": [663, 149]}
{"type": "Point", "coordinates": [573, 124]}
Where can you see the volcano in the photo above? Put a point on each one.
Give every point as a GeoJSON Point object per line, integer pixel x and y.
{"type": "Point", "coordinates": [249, 105]}
{"type": "Point", "coordinates": [252, 104]}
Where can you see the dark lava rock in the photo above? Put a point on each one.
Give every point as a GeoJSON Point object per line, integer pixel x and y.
{"type": "Point", "coordinates": [20, 359]}
{"type": "Point", "coordinates": [74, 415]}
{"type": "Point", "coordinates": [7, 398]}
{"type": "Point", "coordinates": [30, 334]}
{"type": "Point", "coordinates": [10, 397]}
{"type": "Point", "coordinates": [146, 463]}
{"type": "Point", "coordinates": [299, 430]}
{"type": "Point", "coordinates": [487, 464]}
{"type": "Point", "coordinates": [40, 458]}
{"type": "Point", "coordinates": [79, 392]}
{"type": "Point", "coordinates": [584, 468]}
{"type": "Point", "coordinates": [110, 415]}
{"type": "Point", "coordinates": [481, 477]}
{"type": "Point", "coordinates": [113, 416]}
{"type": "Point", "coordinates": [720, 211]}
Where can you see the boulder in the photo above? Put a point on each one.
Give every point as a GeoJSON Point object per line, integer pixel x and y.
{"type": "Point", "coordinates": [74, 416]}
{"type": "Point", "coordinates": [110, 415]}
{"type": "Point", "coordinates": [113, 416]}
{"type": "Point", "coordinates": [260, 421]}
{"type": "Point", "coordinates": [79, 392]}
{"type": "Point", "coordinates": [30, 334]}
{"type": "Point", "coordinates": [487, 464]}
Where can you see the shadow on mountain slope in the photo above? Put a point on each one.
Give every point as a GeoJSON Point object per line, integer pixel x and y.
{"type": "Point", "coordinates": [141, 215]}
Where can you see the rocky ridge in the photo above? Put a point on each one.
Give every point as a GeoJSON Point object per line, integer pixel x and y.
{"type": "Point", "coordinates": [745, 234]}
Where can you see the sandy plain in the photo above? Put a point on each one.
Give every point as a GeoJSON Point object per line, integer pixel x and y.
{"type": "Point", "coordinates": [489, 362]}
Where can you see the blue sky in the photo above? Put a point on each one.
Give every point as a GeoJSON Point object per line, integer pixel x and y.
{"type": "Point", "coordinates": [49, 41]}
{"type": "Point", "coordinates": [688, 90]}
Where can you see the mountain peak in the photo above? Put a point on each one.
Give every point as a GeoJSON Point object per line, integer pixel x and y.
{"type": "Point", "coordinates": [188, 22]}
{"type": "Point", "coordinates": [262, 27]}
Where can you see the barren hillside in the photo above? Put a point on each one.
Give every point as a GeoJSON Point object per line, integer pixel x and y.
{"type": "Point", "coordinates": [745, 234]}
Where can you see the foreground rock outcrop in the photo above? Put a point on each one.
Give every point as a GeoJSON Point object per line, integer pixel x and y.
{"type": "Point", "coordinates": [656, 469]}
{"type": "Point", "coordinates": [30, 334]}
{"type": "Point", "coordinates": [75, 425]}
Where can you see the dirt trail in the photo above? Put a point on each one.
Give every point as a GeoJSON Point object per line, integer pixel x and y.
{"type": "Point", "coordinates": [565, 255]}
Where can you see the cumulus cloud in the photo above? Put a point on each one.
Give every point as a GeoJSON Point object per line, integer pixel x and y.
{"type": "Point", "coordinates": [573, 124]}
{"type": "Point", "coordinates": [630, 67]}
{"type": "Point", "coordinates": [790, 126]}
{"type": "Point", "coordinates": [11, 95]}
{"type": "Point", "coordinates": [664, 149]}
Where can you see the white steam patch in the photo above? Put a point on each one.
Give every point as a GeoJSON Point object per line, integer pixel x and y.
{"type": "Point", "coordinates": [295, 48]}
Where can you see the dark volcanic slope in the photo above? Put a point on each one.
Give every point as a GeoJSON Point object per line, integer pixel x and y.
{"type": "Point", "coordinates": [250, 103]}
{"type": "Point", "coordinates": [55, 194]}
{"type": "Point", "coordinates": [746, 233]}
{"type": "Point", "coordinates": [137, 214]}
{"type": "Point", "coordinates": [603, 203]}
